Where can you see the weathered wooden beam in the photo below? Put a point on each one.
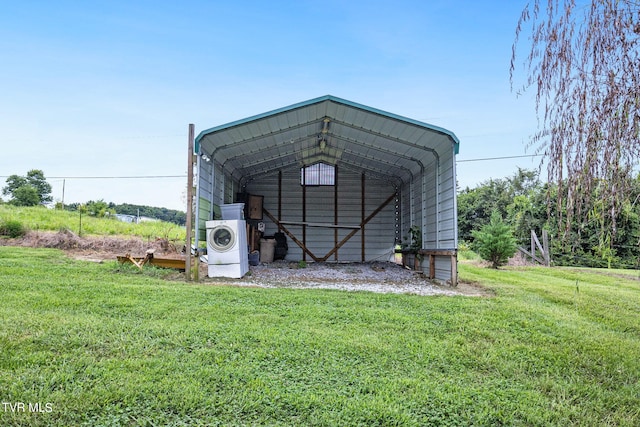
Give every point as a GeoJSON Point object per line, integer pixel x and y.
{"type": "Point", "coordinates": [529, 254]}
{"type": "Point", "coordinates": [291, 235]}
{"type": "Point", "coordinates": [432, 266]}
{"type": "Point", "coordinates": [189, 199]}
{"type": "Point", "coordinates": [454, 270]}
{"type": "Point", "coordinates": [352, 233]}
{"type": "Point", "coordinates": [535, 239]}
{"type": "Point", "coordinates": [547, 250]}
{"type": "Point", "coordinates": [437, 252]}
{"type": "Point", "coordinates": [320, 224]}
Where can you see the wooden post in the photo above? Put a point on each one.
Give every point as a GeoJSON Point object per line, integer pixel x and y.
{"type": "Point", "coordinates": [533, 247]}
{"type": "Point", "coordinates": [545, 245]}
{"type": "Point", "coordinates": [196, 265]}
{"type": "Point", "coordinates": [189, 202]}
{"type": "Point", "coordinates": [454, 269]}
{"type": "Point", "coordinates": [432, 266]}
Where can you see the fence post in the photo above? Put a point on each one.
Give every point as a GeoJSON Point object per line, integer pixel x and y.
{"type": "Point", "coordinates": [189, 224]}
{"type": "Point", "coordinates": [547, 251]}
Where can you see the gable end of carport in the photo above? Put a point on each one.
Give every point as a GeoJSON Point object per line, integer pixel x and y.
{"type": "Point", "coordinates": [415, 158]}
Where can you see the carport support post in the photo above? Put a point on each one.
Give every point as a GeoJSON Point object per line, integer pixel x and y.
{"type": "Point", "coordinates": [279, 199]}
{"type": "Point", "coordinates": [335, 211]}
{"type": "Point", "coordinates": [187, 263]}
{"type": "Point", "coordinates": [304, 210]}
{"type": "Point", "coordinates": [362, 217]}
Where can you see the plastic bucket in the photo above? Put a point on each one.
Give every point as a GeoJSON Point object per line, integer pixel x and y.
{"type": "Point", "coordinates": [254, 258]}
{"type": "Point", "coordinates": [267, 248]}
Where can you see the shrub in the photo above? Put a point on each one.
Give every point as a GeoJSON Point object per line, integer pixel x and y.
{"type": "Point", "coordinates": [495, 242]}
{"type": "Point", "coordinates": [27, 195]}
{"type": "Point", "coordinates": [12, 229]}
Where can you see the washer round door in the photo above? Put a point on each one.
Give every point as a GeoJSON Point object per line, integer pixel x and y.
{"type": "Point", "coordinates": [222, 238]}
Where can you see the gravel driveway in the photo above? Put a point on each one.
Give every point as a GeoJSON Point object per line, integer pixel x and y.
{"type": "Point", "coordinates": [381, 277]}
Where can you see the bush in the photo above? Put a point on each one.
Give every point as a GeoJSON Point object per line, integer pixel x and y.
{"type": "Point", "coordinates": [12, 229]}
{"type": "Point", "coordinates": [495, 242]}
{"type": "Point", "coordinates": [27, 195]}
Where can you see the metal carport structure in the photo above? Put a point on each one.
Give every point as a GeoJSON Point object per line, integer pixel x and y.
{"type": "Point", "coordinates": [346, 182]}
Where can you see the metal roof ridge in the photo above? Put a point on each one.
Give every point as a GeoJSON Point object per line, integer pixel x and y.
{"type": "Point", "coordinates": [398, 117]}
{"type": "Point", "coordinates": [318, 100]}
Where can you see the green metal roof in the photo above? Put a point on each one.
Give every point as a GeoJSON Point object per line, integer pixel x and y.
{"type": "Point", "coordinates": [331, 130]}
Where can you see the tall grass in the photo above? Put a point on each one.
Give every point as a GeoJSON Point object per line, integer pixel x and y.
{"type": "Point", "coordinates": [41, 218]}
{"type": "Point", "coordinates": [106, 347]}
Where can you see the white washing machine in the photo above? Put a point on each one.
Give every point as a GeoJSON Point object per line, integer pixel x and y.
{"type": "Point", "coordinates": [227, 252]}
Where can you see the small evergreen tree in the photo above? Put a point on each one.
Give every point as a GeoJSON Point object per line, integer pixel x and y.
{"type": "Point", "coordinates": [495, 242]}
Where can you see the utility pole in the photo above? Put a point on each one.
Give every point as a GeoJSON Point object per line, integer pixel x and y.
{"type": "Point", "coordinates": [189, 203]}
{"type": "Point", "coordinates": [63, 183]}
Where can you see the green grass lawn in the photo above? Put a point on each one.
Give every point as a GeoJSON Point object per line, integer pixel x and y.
{"type": "Point", "coordinates": [40, 218]}
{"type": "Point", "coordinates": [97, 345]}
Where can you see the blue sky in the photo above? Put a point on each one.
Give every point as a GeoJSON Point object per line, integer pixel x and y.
{"type": "Point", "coordinates": [108, 88]}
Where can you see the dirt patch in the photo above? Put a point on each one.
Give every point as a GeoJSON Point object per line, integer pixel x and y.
{"type": "Point", "coordinates": [474, 289]}
{"type": "Point", "coordinates": [93, 248]}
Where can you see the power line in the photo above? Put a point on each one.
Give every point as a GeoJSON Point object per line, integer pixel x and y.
{"type": "Point", "coordinates": [498, 158]}
{"type": "Point", "coordinates": [120, 177]}
{"type": "Point", "coordinates": [185, 175]}
{"type": "Point", "coordinates": [113, 177]}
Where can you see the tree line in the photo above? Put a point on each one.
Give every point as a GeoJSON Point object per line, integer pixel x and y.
{"type": "Point", "coordinates": [601, 237]}
{"type": "Point", "coordinates": [33, 190]}
{"type": "Point", "coordinates": [100, 208]}
{"type": "Point", "coordinates": [580, 60]}
{"type": "Point", "coordinates": [525, 203]}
